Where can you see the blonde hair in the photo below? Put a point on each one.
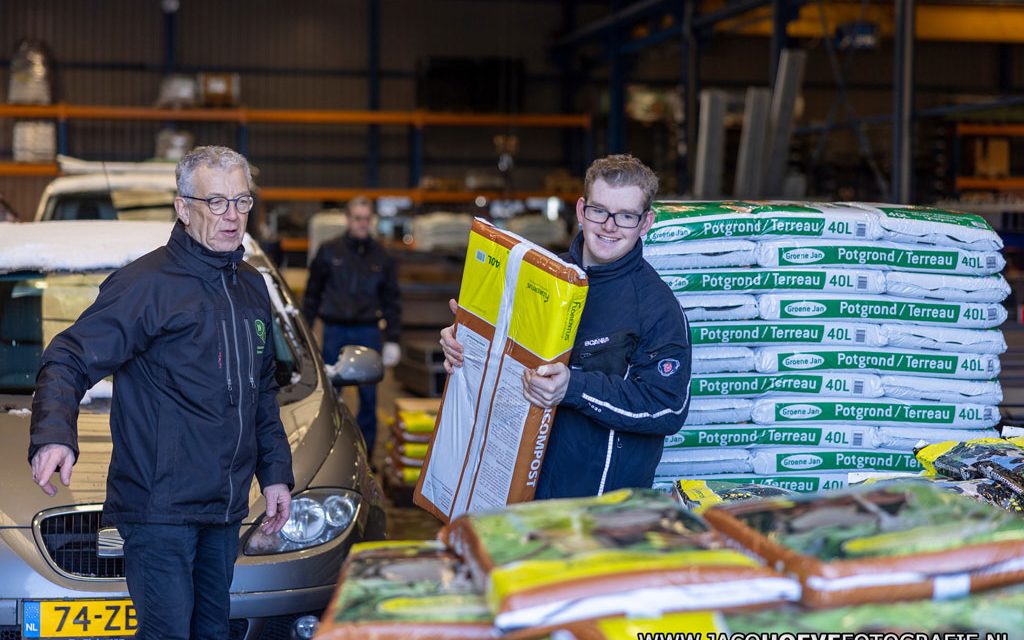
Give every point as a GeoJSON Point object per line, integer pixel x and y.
{"type": "Point", "coordinates": [622, 170]}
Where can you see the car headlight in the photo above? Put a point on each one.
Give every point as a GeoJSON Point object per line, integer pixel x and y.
{"type": "Point", "coordinates": [317, 516]}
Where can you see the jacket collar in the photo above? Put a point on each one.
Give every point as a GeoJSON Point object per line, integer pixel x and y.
{"type": "Point", "coordinates": [623, 265]}
{"type": "Point", "coordinates": [203, 261]}
{"type": "Point", "coordinates": [358, 244]}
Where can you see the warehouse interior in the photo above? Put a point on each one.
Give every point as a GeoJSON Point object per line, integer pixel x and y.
{"type": "Point", "coordinates": [442, 111]}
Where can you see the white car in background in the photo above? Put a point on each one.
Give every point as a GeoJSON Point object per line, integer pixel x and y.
{"type": "Point", "coordinates": [109, 191]}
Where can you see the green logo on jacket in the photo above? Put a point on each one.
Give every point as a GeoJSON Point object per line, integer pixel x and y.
{"type": "Point", "coordinates": [261, 333]}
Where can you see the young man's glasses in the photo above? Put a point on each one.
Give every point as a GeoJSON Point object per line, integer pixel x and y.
{"type": "Point", "coordinates": [219, 205]}
{"type": "Point", "coordinates": [623, 219]}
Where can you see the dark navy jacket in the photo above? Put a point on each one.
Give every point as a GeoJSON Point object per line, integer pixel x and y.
{"type": "Point", "coordinates": [188, 335]}
{"type": "Point", "coordinates": [629, 383]}
{"type": "Point", "coordinates": [354, 282]}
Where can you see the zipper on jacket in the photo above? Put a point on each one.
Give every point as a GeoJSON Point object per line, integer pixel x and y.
{"type": "Point", "coordinates": [227, 362]}
{"type": "Point", "coordinates": [608, 455]}
{"type": "Point", "coordinates": [238, 356]}
{"type": "Point", "coordinates": [248, 337]}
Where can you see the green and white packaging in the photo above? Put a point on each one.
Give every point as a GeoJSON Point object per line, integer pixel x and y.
{"type": "Point", "coordinates": [800, 482]}
{"type": "Point", "coordinates": [771, 460]}
{"type": "Point", "coordinates": [747, 280]}
{"type": "Point", "coordinates": [966, 366]}
{"type": "Point", "coordinates": [946, 287]}
{"type": "Point", "coordinates": [718, 307]}
{"type": "Point", "coordinates": [718, 410]}
{"type": "Point", "coordinates": [700, 254]}
{"type": "Point", "coordinates": [781, 219]}
{"type": "Point", "coordinates": [878, 411]}
{"type": "Point", "coordinates": [718, 359]}
{"type": "Point", "coordinates": [942, 389]}
{"type": "Point", "coordinates": [678, 222]}
{"type": "Point", "coordinates": [944, 339]}
{"type": "Point", "coordinates": [886, 256]}
{"type": "Point", "coordinates": [880, 309]}
{"type": "Point", "coordinates": [852, 436]}
{"type": "Point", "coordinates": [756, 385]}
{"type": "Point", "coordinates": [930, 225]}
{"type": "Point", "coordinates": [759, 333]}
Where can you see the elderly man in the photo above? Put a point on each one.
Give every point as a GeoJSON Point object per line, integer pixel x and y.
{"type": "Point", "coordinates": [353, 285]}
{"type": "Point", "coordinates": [186, 332]}
{"type": "Point", "coordinates": [628, 381]}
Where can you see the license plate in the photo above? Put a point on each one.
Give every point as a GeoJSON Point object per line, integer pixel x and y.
{"type": "Point", "coordinates": [78, 619]}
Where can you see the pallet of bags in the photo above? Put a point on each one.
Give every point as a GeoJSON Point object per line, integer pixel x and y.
{"type": "Point", "coordinates": [405, 590]}
{"type": "Point", "coordinates": [897, 541]}
{"type": "Point", "coordinates": [551, 562]}
{"type": "Point", "coordinates": [407, 442]}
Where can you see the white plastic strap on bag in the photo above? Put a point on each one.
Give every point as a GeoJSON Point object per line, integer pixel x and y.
{"type": "Point", "coordinates": [942, 389]}
{"type": "Point", "coordinates": [835, 306]}
{"type": "Point", "coordinates": [721, 359]}
{"type": "Point", "coordinates": [757, 385]}
{"type": "Point", "coordinates": [946, 287]}
{"type": "Point", "coordinates": [875, 411]}
{"type": "Point", "coordinates": [701, 254]}
{"type": "Point", "coordinates": [718, 410]}
{"type": "Point", "coordinates": [929, 225]}
{"type": "Point", "coordinates": [718, 307]}
{"type": "Point", "coordinates": [915, 336]}
{"type": "Point", "coordinates": [968, 366]}
{"type": "Point", "coordinates": [886, 256]}
{"type": "Point", "coordinates": [785, 279]}
{"type": "Point", "coordinates": [757, 333]}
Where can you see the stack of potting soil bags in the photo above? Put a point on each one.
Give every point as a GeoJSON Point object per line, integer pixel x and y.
{"type": "Point", "coordinates": [829, 337]}
{"type": "Point", "coordinates": [408, 439]}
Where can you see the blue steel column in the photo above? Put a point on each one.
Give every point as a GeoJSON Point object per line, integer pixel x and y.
{"type": "Point", "coordinates": [903, 101]}
{"type": "Point", "coordinates": [616, 97]}
{"type": "Point", "coordinates": [688, 88]}
{"type": "Point", "coordinates": [782, 14]}
{"type": "Point", "coordinates": [373, 89]}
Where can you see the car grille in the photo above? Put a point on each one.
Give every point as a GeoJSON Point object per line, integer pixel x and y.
{"type": "Point", "coordinates": [70, 542]}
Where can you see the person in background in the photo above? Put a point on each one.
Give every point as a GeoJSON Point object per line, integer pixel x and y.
{"type": "Point", "coordinates": [186, 331]}
{"type": "Point", "coordinates": [353, 285]}
{"type": "Point", "coordinates": [627, 385]}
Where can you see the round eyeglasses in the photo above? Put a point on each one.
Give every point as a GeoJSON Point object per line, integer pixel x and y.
{"type": "Point", "coordinates": [219, 205]}
{"type": "Point", "coordinates": [623, 219]}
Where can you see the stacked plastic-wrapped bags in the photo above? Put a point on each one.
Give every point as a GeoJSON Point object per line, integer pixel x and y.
{"type": "Point", "coordinates": [829, 337]}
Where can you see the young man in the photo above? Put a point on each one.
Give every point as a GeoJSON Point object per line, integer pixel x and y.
{"type": "Point", "coordinates": [353, 284]}
{"type": "Point", "coordinates": [194, 413]}
{"type": "Point", "coordinates": [627, 384]}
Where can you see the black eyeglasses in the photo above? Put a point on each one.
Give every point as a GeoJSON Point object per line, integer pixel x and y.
{"type": "Point", "coordinates": [623, 219]}
{"type": "Point", "coordinates": [219, 205]}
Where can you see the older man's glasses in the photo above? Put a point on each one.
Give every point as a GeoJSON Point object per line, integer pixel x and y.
{"type": "Point", "coordinates": [623, 219]}
{"type": "Point", "coordinates": [219, 205]}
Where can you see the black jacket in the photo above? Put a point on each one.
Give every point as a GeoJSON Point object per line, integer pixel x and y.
{"type": "Point", "coordinates": [629, 383]}
{"type": "Point", "coordinates": [354, 282]}
{"type": "Point", "coordinates": [188, 335]}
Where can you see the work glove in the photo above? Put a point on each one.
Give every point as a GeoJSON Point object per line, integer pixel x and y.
{"type": "Point", "coordinates": [391, 354]}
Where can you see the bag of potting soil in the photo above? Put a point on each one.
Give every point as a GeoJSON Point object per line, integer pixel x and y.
{"type": "Point", "coordinates": [627, 552]}
{"type": "Point", "coordinates": [697, 495]}
{"type": "Point", "coordinates": [721, 359]}
{"type": "Point", "coordinates": [690, 463]}
{"type": "Point", "coordinates": [753, 280]}
{"type": "Point", "coordinates": [942, 389]}
{"type": "Point", "coordinates": [880, 309]}
{"type": "Point", "coordinates": [966, 366]}
{"type": "Point", "coordinates": [756, 385]}
{"type": "Point", "coordinates": [761, 333]}
{"type": "Point", "coordinates": [685, 222]}
{"type": "Point", "coordinates": [718, 307]}
{"type": "Point", "coordinates": [781, 219]}
{"type": "Point", "coordinates": [998, 460]}
{"type": "Point", "coordinates": [836, 435]}
{"type": "Point", "coordinates": [878, 411]}
{"type": "Point", "coordinates": [700, 254]}
{"type": "Point", "coordinates": [896, 541]}
{"type": "Point", "coordinates": [718, 410]}
{"type": "Point", "coordinates": [930, 225]}
{"type": "Point", "coordinates": [405, 589]}
{"type": "Point", "coordinates": [947, 287]}
{"type": "Point", "coordinates": [915, 336]}
{"type": "Point", "coordinates": [886, 256]}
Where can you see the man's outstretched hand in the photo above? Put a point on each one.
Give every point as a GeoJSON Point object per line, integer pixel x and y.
{"type": "Point", "coordinates": [47, 460]}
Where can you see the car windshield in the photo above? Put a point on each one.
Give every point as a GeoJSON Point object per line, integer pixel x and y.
{"type": "Point", "coordinates": [35, 307]}
{"type": "Point", "coordinates": [136, 203]}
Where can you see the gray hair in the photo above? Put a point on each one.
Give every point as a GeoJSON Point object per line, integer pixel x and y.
{"type": "Point", "coordinates": [359, 201]}
{"type": "Point", "coordinates": [212, 157]}
{"type": "Point", "coordinates": [623, 170]}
